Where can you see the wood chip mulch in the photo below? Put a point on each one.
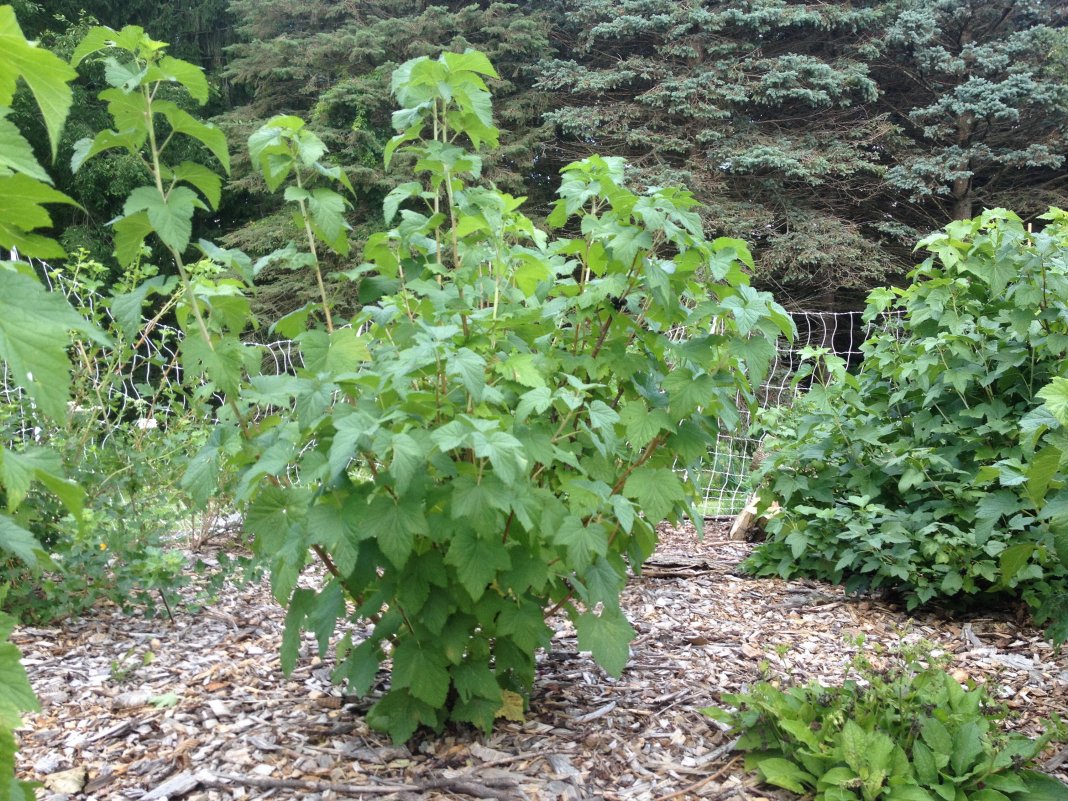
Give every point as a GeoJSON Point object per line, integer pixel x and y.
{"type": "Point", "coordinates": [237, 729]}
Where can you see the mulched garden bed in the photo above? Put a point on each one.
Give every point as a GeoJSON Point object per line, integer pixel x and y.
{"type": "Point", "coordinates": [238, 729]}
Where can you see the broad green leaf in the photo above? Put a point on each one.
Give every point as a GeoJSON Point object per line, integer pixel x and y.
{"type": "Point", "coordinates": [583, 542]}
{"type": "Point", "coordinates": [524, 622]}
{"type": "Point", "coordinates": [534, 401]}
{"type": "Point", "coordinates": [504, 451]}
{"type": "Point", "coordinates": [470, 368]}
{"type": "Point", "coordinates": [967, 747]}
{"type": "Point", "coordinates": [16, 695]}
{"type": "Point", "coordinates": [1013, 559]}
{"type": "Point", "coordinates": [656, 489]}
{"type": "Point", "coordinates": [421, 669]}
{"type": "Point", "coordinates": [1055, 397]}
{"type": "Point", "coordinates": [16, 153]}
{"type": "Point", "coordinates": [359, 667]}
{"type": "Point", "coordinates": [46, 74]}
{"type": "Point", "coordinates": [475, 680]}
{"type": "Point", "coordinates": [130, 235]}
{"type": "Point", "coordinates": [188, 75]}
{"type": "Point", "coordinates": [786, 774]}
{"type": "Point", "coordinates": [409, 458]}
{"type": "Point", "coordinates": [477, 561]}
{"type": "Point", "coordinates": [171, 217]}
{"type": "Point", "coordinates": [394, 524]}
{"type": "Point", "coordinates": [1041, 787]}
{"type": "Point", "coordinates": [35, 328]}
{"type": "Point", "coordinates": [22, 200]}
{"type": "Point", "coordinates": [18, 542]}
{"type": "Point", "coordinates": [207, 134]}
{"type": "Point", "coordinates": [399, 714]}
{"type": "Point", "coordinates": [602, 415]}
{"type": "Point", "coordinates": [201, 177]}
{"type": "Point", "coordinates": [642, 424]}
{"type": "Point", "coordinates": [607, 636]}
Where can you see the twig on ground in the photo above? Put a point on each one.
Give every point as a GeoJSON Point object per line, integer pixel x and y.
{"type": "Point", "coordinates": [490, 789]}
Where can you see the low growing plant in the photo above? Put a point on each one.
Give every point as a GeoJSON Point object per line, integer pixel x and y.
{"type": "Point", "coordinates": [905, 731]}
{"type": "Point", "coordinates": [938, 471]}
{"type": "Point", "coordinates": [490, 440]}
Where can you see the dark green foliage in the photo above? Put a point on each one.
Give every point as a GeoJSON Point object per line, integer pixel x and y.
{"type": "Point", "coordinates": [936, 472]}
{"type": "Point", "coordinates": [977, 90]}
{"type": "Point", "coordinates": [903, 732]}
{"type": "Point", "coordinates": [780, 139]}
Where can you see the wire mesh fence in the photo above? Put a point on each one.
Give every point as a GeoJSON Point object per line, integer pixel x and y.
{"type": "Point", "coordinates": [143, 389]}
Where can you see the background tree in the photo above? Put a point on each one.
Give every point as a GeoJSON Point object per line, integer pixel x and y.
{"type": "Point", "coordinates": [765, 109]}
{"type": "Point", "coordinates": [978, 91]}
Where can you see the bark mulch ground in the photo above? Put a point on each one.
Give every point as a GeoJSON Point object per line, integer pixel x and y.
{"type": "Point", "coordinates": [197, 708]}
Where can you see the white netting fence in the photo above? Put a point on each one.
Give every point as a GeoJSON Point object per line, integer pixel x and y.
{"type": "Point", "coordinates": [144, 390]}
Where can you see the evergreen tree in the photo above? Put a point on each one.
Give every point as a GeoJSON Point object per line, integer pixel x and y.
{"type": "Point", "coordinates": [766, 109]}
{"type": "Point", "coordinates": [977, 88]}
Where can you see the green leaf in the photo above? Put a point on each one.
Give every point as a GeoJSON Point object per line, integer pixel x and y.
{"type": "Point", "coordinates": [784, 773]}
{"type": "Point", "coordinates": [206, 133]}
{"type": "Point", "coordinates": [642, 424]}
{"type": "Point", "coordinates": [19, 542]}
{"type": "Point", "coordinates": [16, 153]}
{"type": "Point", "coordinates": [936, 736]}
{"type": "Point", "coordinates": [201, 177]}
{"type": "Point", "coordinates": [409, 458]}
{"type": "Point", "coordinates": [130, 235]}
{"type": "Point", "coordinates": [471, 370]}
{"type": "Point", "coordinates": [1041, 787]}
{"type": "Point", "coordinates": [398, 195]}
{"type": "Point", "coordinates": [535, 401]}
{"type": "Point", "coordinates": [188, 75]}
{"type": "Point", "coordinates": [421, 669]}
{"type": "Point", "coordinates": [607, 636]}
{"type": "Point", "coordinates": [967, 747]}
{"type": "Point", "coordinates": [35, 328]}
{"type": "Point", "coordinates": [477, 561]}
{"type": "Point", "coordinates": [1055, 397]}
{"type": "Point", "coordinates": [359, 668]}
{"type": "Point", "coordinates": [475, 680]}
{"type": "Point", "coordinates": [583, 542]}
{"type": "Point", "coordinates": [854, 746]}
{"type": "Point", "coordinates": [46, 74]}
{"type": "Point", "coordinates": [1013, 559]}
{"type": "Point", "coordinates": [393, 524]}
{"type": "Point", "coordinates": [602, 415]}
{"type": "Point", "coordinates": [16, 695]}
{"type": "Point", "coordinates": [171, 217]}
{"type": "Point", "coordinates": [504, 451]}
{"type": "Point", "coordinates": [656, 489]}
{"type": "Point", "coordinates": [524, 622]}
{"type": "Point", "coordinates": [300, 603]}
{"type": "Point", "coordinates": [399, 714]}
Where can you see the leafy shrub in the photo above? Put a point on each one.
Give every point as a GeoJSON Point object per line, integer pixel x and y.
{"type": "Point", "coordinates": [906, 732]}
{"type": "Point", "coordinates": [491, 438]}
{"type": "Point", "coordinates": [127, 450]}
{"type": "Point", "coordinates": [922, 473]}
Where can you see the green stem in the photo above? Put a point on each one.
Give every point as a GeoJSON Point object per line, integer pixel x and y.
{"type": "Point", "coordinates": [315, 256]}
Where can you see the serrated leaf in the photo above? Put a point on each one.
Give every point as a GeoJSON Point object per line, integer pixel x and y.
{"type": "Point", "coordinates": [642, 424]}
{"type": "Point", "coordinates": [583, 542]}
{"type": "Point", "coordinates": [409, 458]}
{"type": "Point", "coordinates": [474, 679]}
{"type": "Point", "coordinates": [35, 328]}
{"type": "Point", "coordinates": [535, 401]}
{"type": "Point", "coordinates": [477, 561]}
{"type": "Point", "coordinates": [130, 235]}
{"type": "Point", "coordinates": [171, 217]}
{"type": "Point", "coordinates": [512, 707]}
{"type": "Point", "coordinates": [504, 452]}
{"type": "Point", "coordinates": [398, 195]}
{"type": "Point", "coordinates": [470, 368]}
{"type": "Point", "coordinates": [16, 695]}
{"type": "Point", "coordinates": [607, 636]}
{"type": "Point", "coordinates": [46, 74]}
{"type": "Point", "coordinates": [422, 670]}
{"type": "Point", "coordinates": [16, 153]}
{"type": "Point", "coordinates": [1055, 398]}
{"type": "Point", "coordinates": [656, 489]}
{"type": "Point", "coordinates": [524, 622]}
{"type": "Point", "coordinates": [188, 75]}
{"type": "Point", "coordinates": [359, 668]}
{"type": "Point", "coordinates": [394, 524]}
{"type": "Point", "coordinates": [19, 542]}
{"type": "Point", "coordinates": [204, 179]}
{"type": "Point", "coordinates": [602, 415]}
{"type": "Point", "coordinates": [399, 714]}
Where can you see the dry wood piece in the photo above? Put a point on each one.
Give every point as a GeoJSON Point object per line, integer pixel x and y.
{"type": "Point", "coordinates": [241, 730]}
{"type": "Point", "coordinates": [749, 521]}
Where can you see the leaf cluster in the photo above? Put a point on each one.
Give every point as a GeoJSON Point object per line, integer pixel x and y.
{"type": "Point", "coordinates": [909, 731]}
{"type": "Point", "coordinates": [492, 437]}
{"type": "Point", "coordinates": [937, 471]}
